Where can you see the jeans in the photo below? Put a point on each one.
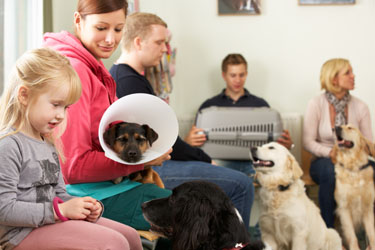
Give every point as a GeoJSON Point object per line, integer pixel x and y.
{"type": "Point", "coordinates": [322, 171]}
{"type": "Point", "coordinates": [245, 167]}
{"type": "Point", "coordinates": [235, 184]}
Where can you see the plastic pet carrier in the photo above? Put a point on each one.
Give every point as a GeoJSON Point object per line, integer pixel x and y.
{"type": "Point", "coordinates": [231, 131]}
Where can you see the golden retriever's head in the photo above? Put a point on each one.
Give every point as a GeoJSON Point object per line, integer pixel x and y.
{"type": "Point", "coordinates": [274, 160]}
{"type": "Point", "coordinates": [351, 145]}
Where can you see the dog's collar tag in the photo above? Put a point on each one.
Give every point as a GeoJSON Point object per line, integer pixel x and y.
{"type": "Point", "coordinates": [238, 246]}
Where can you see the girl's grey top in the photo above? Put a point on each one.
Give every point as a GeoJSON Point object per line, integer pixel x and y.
{"type": "Point", "coordinates": [30, 178]}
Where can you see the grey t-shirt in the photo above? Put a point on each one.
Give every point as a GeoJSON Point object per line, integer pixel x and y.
{"type": "Point", "coordinates": [30, 177]}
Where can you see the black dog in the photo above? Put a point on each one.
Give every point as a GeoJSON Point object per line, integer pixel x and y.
{"type": "Point", "coordinates": [199, 215]}
{"type": "Point", "coordinates": [130, 140]}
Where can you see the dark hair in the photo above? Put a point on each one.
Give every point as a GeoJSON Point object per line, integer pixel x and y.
{"type": "Point", "coordinates": [232, 59]}
{"type": "Point", "coordinates": [88, 7]}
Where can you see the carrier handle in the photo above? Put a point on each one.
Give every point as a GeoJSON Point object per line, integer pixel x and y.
{"type": "Point", "coordinates": [245, 136]}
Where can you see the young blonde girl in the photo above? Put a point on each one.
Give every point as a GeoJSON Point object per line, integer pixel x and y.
{"type": "Point", "coordinates": [35, 210]}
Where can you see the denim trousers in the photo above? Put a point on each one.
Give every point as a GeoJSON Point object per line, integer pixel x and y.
{"type": "Point", "coordinates": [322, 171]}
{"type": "Point", "coordinates": [245, 167]}
{"type": "Point", "coordinates": [234, 183]}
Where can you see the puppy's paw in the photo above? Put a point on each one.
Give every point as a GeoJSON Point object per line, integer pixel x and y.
{"type": "Point", "coordinates": [117, 180]}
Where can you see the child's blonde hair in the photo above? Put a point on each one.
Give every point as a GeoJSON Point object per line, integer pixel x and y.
{"type": "Point", "coordinates": [38, 70]}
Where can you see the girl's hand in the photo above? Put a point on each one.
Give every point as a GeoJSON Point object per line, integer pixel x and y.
{"type": "Point", "coordinates": [78, 208]}
{"type": "Point", "coordinates": [95, 212]}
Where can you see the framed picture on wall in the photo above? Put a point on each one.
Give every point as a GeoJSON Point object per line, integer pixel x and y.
{"type": "Point", "coordinates": [238, 7]}
{"type": "Point", "coordinates": [325, 2]}
{"type": "Point", "coordinates": [133, 6]}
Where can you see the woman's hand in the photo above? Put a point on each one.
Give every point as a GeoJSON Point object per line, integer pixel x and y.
{"type": "Point", "coordinates": [78, 208]}
{"type": "Point", "coordinates": [195, 137]}
{"type": "Point", "coordinates": [159, 161]}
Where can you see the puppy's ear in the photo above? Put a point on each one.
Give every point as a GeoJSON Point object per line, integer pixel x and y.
{"type": "Point", "coordinates": [109, 135]}
{"type": "Point", "coordinates": [368, 146]}
{"type": "Point", "coordinates": [295, 168]}
{"type": "Point", "coordinates": [151, 135]}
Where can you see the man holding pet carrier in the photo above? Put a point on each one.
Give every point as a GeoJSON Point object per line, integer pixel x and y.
{"type": "Point", "coordinates": [234, 73]}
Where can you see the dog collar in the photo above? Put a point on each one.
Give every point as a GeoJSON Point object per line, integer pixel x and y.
{"type": "Point", "coordinates": [368, 164]}
{"type": "Point", "coordinates": [238, 246]}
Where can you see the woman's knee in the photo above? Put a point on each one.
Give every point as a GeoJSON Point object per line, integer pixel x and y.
{"type": "Point", "coordinates": [243, 182]}
{"type": "Point", "coordinates": [322, 170]}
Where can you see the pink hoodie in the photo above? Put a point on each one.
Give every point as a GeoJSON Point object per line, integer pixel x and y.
{"type": "Point", "coordinates": [85, 160]}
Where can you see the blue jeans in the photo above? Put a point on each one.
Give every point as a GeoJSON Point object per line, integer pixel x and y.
{"type": "Point", "coordinates": [245, 167]}
{"type": "Point", "coordinates": [235, 184]}
{"type": "Point", "coordinates": [322, 171]}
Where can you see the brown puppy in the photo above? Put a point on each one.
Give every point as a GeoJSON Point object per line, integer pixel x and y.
{"type": "Point", "coordinates": [354, 191]}
{"type": "Point", "coordinates": [130, 141]}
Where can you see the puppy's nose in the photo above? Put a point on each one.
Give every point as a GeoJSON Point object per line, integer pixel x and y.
{"type": "Point", "coordinates": [132, 153]}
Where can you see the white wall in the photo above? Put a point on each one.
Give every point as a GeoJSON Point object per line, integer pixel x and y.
{"type": "Point", "coordinates": [63, 12]}
{"type": "Point", "coordinates": [285, 47]}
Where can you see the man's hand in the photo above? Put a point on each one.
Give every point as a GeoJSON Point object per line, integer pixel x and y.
{"type": "Point", "coordinates": [195, 137]}
{"type": "Point", "coordinates": [285, 140]}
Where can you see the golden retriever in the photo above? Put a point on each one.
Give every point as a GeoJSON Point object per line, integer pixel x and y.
{"type": "Point", "coordinates": [354, 191]}
{"type": "Point", "coordinates": [288, 219]}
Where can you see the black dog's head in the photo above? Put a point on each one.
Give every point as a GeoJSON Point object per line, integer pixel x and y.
{"type": "Point", "coordinates": [198, 215]}
{"type": "Point", "coordinates": [130, 140]}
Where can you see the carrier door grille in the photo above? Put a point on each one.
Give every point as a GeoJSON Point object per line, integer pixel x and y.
{"type": "Point", "coordinates": [262, 129]}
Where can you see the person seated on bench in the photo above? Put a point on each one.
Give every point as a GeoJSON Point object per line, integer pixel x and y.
{"type": "Point", "coordinates": [98, 31]}
{"type": "Point", "coordinates": [234, 73]}
{"type": "Point", "coordinates": [332, 108]}
{"type": "Point", "coordinates": [143, 46]}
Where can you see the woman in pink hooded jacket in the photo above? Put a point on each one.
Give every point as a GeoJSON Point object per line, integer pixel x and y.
{"type": "Point", "coordinates": [98, 31]}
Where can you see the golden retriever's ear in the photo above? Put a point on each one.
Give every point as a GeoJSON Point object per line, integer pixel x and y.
{"type": "Point", "coordinates": [367, 146]}
{"type": "Point", "coordinates": [334, 154]}
{"type": "Point", "coordinates": [293, 165]}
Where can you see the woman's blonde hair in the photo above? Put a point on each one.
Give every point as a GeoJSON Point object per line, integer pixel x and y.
{"type": "Point", "coordinates": [329, 71]}
{"type": "Point", "coordinates": [39, 70]}
{"type": "Point", "coordinates": [139, 24]}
